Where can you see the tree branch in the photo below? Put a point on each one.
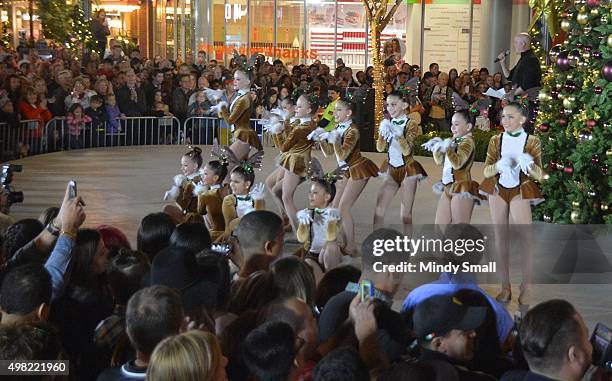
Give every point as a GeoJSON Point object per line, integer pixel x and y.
{"type": "Point", "coordinates": [386, 20]}
{"type": "Point", "coordinates": [368, 10]}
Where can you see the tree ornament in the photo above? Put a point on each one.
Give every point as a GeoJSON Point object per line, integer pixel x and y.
{"type": "Point", "coordinates": [574, 57]}
{"type": "Point", "coordinates": [575, 217]}
{"type": "Point", "coordinates": [595, 159]}
{"type": "Point", "coordinates": [603, 19]}
{"type": "Point", "coordinates": [554, 94]}
{"type": "Point", "coordinates": [563, 62]}
{"type": "Point", "coordinates": [609, 152]}
{"type": "Point", "coordinates": [604, 207]}
{"type": "Point", "coordinates": [569, 102]}
{"type": "Point", "coordinates": [555, 50]}
{"type": "Point", "coordinates": [593, 3]}
{"type": "Point", "coordinates": [575, 204]}
{"type": "Point", "coordinates": [591, 123]}
{"type": "Point", "coordinates": [587, 30]}
{"type": "Point", "coordinates": [582, 18]}
{"type": "Point", "coordinates": [544, 97]}
{"type": "Point", "coordinates": [606, 71]}
{"type": "Point", "coordinates": [595, 12]}
{"type": "Point", "coordinates": [566, 25]}
{"type": "Point", "coordinates": [544, 127]}
{"type": "Point", "coordinates": [598, 90]}
{"type": "Point", "coordinates": [570, 86]}
{"type": "Point", "coordinates": [586, 54]}
{"type": "Point", "coordinates": [604, 170]}
{"type": "Point", "coordinates": [579, 3]}
{"type": "Point", "coordinates": [568, 170]}
{"type": "Point", "coordinates": [563, 122]}
{"type": "Point", "coordinates": [609, 41]}
{"type": "Point", "coordinates": [585, 136]}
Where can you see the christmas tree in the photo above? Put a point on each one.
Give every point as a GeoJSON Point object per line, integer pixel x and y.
{"type": "Point", "coordinates": [574, 118]}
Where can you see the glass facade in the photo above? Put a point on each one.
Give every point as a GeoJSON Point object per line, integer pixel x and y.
{"type": "Point", "coordinates": [452, 33]}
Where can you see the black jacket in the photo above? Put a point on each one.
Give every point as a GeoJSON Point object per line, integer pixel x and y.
{"type": "Point", "coordinates": [128, 106]}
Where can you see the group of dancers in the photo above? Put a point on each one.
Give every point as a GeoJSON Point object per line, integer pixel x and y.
{"type": "Point", "coordinates": [326, 228]}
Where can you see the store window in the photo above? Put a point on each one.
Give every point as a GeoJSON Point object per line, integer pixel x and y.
{"type": "Point", "coordinates": [291, 32]}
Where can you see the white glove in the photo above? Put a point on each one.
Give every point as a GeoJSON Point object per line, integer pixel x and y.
{"type": "Point", "coordinates": [214, 95]}
{"type": "Point", "coordinates": [278, 114]}
{"type": "Point", "coordinates": [396, 132]}
{"type": "Point", "coordinates": [332, 214]}
{"type": "Point", "coordinates": [274, 127]}
{"type": "Point", "coordinates": [199, 188]}
{"type": "Point", "coordinates": [172, 194]}
{"type": "Point", "coordinates": [216, 109]}
{"type": "Point", "coordinates": [431, 143]}
{"type": "Point", "coordinates": [509, 173]}
{"type": "Point", "coordinates": [304, 217]}
{"type": "Point", "coordinates": [525, 161]}
{"type": "Point", "coordinates": [504, 165]}
{"type": "Point", "coordinates": [178, 180]}
{"type": "Point", "coordinates": [316, 134]}
{"type": "Point", "coordinates": [331, 136]}
{"type": "Point", "coordinates": [443, 146]}
{"type": "Point", "coordinates": [258, 192]}
{"type": "Point", "coordinates": [385, 129]}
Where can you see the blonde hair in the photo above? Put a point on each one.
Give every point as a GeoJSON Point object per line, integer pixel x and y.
{"type": "Point", "coordinates": [109, 87]}
{"type": "Point", "coordinates": [190, 356]}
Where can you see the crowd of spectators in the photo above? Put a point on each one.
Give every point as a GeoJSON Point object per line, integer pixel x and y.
{"type": "Point", "coordinates": [123, 83]}
{"type": "Point", "coordinates": [174, 308]}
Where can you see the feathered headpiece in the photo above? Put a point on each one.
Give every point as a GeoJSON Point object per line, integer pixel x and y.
{"type": "Point", "coordinates": [316, 172]}
{"type": "Point", "coordinates": [246, 65]}
{"type": "Point", "coordinates": [226, 156]}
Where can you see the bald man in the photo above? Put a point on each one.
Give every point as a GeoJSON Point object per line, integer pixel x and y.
{"type": "Point", "coordinates": [526, 76]}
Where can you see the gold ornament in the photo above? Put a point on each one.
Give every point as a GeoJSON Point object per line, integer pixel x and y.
{"type": "Point", "coordinates": [568, 102]}
{"type": "Point", "coordinates": [566, 25]}
{"type": "Point", "coordinates": [595, 12]}
{"type": "Point", "coordinates": [604, 207]}
{"type": "Point", "coordinates": [575, 204]}
{"type": "Point", "coordinates": [582, 18]}
{"type": "Point", "coordinates": [575, 217]}
{"type": "Point", "coordinates": [610, 41]}
{"type": "Point", "coordinates": [609, 152]}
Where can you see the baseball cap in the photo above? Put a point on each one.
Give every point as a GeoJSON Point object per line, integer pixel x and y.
{"type": "Point", "coordinates": [438, 315]}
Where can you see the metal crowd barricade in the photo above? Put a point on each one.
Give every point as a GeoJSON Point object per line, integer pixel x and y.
{"type": "Point", "coordinates": [202, 130]}
{"type": "Point", "coordinates": [57, 135]}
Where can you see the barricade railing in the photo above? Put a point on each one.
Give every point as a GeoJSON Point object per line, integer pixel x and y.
{"type": "Point", "coordinates": [57, 134]}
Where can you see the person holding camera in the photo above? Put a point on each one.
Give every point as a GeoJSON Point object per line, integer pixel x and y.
{"type": "Point", "coordinates": [555, 342]}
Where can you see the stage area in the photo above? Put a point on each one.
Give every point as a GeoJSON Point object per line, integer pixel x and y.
{"type": "Point", "coordinates": [121, 185]}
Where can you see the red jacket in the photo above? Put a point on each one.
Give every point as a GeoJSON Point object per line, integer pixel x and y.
{"type": "Point", "coordinates": [27, 111]}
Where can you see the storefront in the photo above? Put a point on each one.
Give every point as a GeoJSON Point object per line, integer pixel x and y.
{"type": "Point", "coordinates": [453, 33]}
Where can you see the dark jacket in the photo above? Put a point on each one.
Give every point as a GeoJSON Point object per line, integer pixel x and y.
{"type": "Point", "coordinates": [128, 106]}
{"type": "Point", "coordinates": [180, 99]}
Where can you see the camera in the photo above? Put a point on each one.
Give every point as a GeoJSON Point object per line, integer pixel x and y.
{"type": "Point", "coordinates": [12, 197]}
{"type": "Point", "coordinates": [601, 339]}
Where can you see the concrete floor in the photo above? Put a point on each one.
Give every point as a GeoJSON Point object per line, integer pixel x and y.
{"type": "Point", "coordinates": [121, 185]}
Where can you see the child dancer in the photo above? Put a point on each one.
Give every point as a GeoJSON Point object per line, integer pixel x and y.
{"type": "Point", "coordinates": [458, 192]}
{"type": "Point", "coordinates": [513, 157]}
{"type": "Point", "coordinates": [295, 153]}
{"type": "Point", "coordinates": [76, 121]}
{"type": "Point", "coordinates": [318, 228]}
{"type": "Point", "coordinates": [238, 115]}
{"type": "Point", "coordinates": [243, 199]}
{"type": "Point", "coordinates": [183, 190]}
{"type": "Point", "coordinates": [343, 142]}
{"type": "Point", "coordinates": [287, 117]}
{"type": "Point", "coordinates": [210, 200]}
{"type": "Point", "coordinates": [397, 136]}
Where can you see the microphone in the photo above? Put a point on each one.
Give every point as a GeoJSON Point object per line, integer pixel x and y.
{"type": "Point", "coordinates": [506, 54]}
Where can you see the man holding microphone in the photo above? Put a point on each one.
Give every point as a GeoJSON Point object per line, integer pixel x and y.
{"type": "Point", "coordinates": [526, 76]}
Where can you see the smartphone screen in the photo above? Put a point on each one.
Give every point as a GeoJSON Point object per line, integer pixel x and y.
{"type": "Point", "coordinates": [72, 192]}
{"type": "Point", "coordinates": [366, 289]}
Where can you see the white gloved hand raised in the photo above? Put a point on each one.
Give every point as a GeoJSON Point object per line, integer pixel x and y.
{"type": "Point", "coordinates": [504, 165]}
{"type": "Point", "coordinates": [316, 134]}
{"type": "Point", "coordinates": [431, 144]}
{"type": "Point", "coordinates": [525, 161]}
{"type": "Point", "coordinates": [258, 192]}
{"type": "Point", "coordinates": [304, 217]}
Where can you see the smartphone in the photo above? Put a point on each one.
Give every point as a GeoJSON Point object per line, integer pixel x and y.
{"type": "Point", "coordinates": [72, 191]}
{"type": "Point", "coordinates": [222, 249]}
{"type": "Point", "coordinates": [366, 289]}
